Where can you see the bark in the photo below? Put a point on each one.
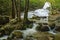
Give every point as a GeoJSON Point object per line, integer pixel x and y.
{"type": "Point", "coordinates": [25, 24]}
{"type": "Point", "coordinates": [19, 10]}
{"type": "Point", "coordinates": [13, 9]}
{"type": "Point", "coordinates": [26, 10]}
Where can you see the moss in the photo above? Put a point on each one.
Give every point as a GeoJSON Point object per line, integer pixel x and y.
{"type": "Point", "coordinates": [43, 36]}
{"type": "Point", "coordinates": [15, 34]}
{"type": "Point", "coordinates": [57, 36]}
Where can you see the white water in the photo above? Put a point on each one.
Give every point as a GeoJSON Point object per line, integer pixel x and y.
{"type": "Point", "coordinates": [51, 30]}
{"type": "Point", "coordinates": [4, 37]}
{"type": "Point", "coordinates": [47, 4]}
{"type": "Point", "coordinates": [39, 12]}
{"type": "Point", "coordinates": [29, 32]}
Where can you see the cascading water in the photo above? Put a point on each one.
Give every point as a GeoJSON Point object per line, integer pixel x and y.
{"type": "Point", "coordinates": [47, 4]}
{"type": "Point", "coordinates": [51, 30]}
{"type": "Point", "coordinates": [29, 32]}
{"type": "Point", "coordinates": [38, 12]}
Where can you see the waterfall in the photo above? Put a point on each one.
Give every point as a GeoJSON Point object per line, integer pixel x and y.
{"type": "Point", "coordinates": [34, 25]}
{"type": "Point", "coordinates": [47, 4]}
{"type": "Point", "coordinates": [31, 31]}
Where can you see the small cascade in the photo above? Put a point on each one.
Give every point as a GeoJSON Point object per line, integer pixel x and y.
{"type": "Point", "coordinates": [47, 4]}
{"type": "Point", "coordinates": [34, 26]}
{"type": "Point", "coordinates": [31, 31]}
{"type": "Point", "coordinates": [52, 31]}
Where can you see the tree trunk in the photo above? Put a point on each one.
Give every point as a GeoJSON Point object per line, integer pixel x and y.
{"type": "Point", "coordinates": [18, 10]}
{"type": "Point", "coordinates": [26, 13]}
{"type": "Point", "coordinates": [13, 9]}
{"type": "Point", "coordinates": [26, 10]}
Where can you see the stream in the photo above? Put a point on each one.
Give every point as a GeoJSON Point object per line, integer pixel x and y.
{"type": "Point", "coordinates": [39, 12]}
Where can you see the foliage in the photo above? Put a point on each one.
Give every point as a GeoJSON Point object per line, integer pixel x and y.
{"type": "Point", "coordinates": [5, 6]}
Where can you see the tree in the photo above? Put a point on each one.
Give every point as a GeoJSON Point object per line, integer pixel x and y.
{"type": "Point", "coordinates": [26, 12]}
{"type": "Point", "coordinates": [4, 7]}
{"type": "Point", "coordinates": [18, 10]}
{"type": "Point", "coordinates": [13, 9]}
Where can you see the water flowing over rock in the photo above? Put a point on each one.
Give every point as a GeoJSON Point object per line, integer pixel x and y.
{"type": "Point", "coordinates": [47, 4]}
{"type": "Point", "coordinates": [39, 12]}
{"type": "Point", "coordinates": [29, 32]}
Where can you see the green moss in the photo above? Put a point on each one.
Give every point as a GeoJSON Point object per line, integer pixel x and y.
{"type": "Point", "coordinates": [16, 34]}
{"type": "Point", "coordinates": [57, 36]}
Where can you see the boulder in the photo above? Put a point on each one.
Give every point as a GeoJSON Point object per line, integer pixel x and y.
{"type": "Point", "coordinates": [57, 36]}
{"type": "Point", "coordinates": [16, 34]}
{"type": "Point", "coordinates": [43, 36]}
{"type": "Point", "coordinates": [58, 28]}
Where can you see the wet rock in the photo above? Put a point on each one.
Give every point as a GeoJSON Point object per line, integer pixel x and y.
{"type": "Point", "coordinates": [58, 28]}
{"type": "Point", "coordinates": [42, 28]}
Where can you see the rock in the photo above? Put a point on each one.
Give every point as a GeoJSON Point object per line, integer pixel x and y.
{"type": "Point", "coordinates": [43, 36]}
{"type": "Point", "coordinates": [7, 29]}
{"type": "Point", "coordinates": [57, 36]}
{"type": "Point", "coordinates": [58, 28]}
{"type": "Point", "coordinates": [16, 34]}
{"type": "Point", "coordinates": [42, 28]}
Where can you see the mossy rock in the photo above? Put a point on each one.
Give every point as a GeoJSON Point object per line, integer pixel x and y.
{"type": "Point", "coordinates": [7, 29]}
{"type": "Point", "coordinates": [15, 34]}
{"type": "Point", "coordinates": [43, 36]}
{"type": "Point", "coordinates": [57, 36]}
